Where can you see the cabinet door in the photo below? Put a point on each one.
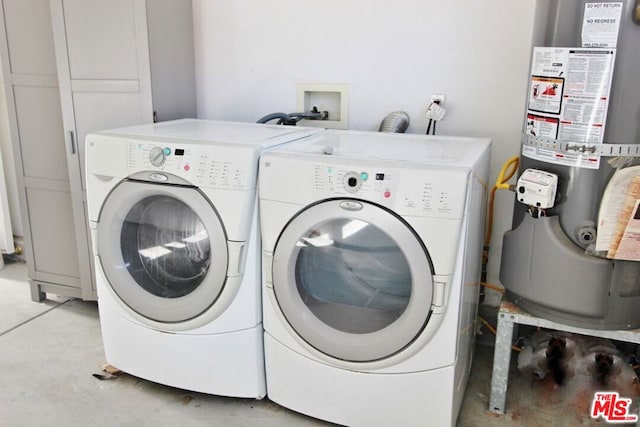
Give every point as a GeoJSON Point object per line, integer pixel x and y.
{"type": "Point", "coordinates": [40, 152]}
{"type": "Point", "coordinates": [103, 67]}
{"type": "Point", "coordinates": [52, 246]}
{"type": "Point", "coordinates": [108, 66]}
{"type": "Point", "coordinates": [103, 72]}
{"type": "Point", "coordinates": [101, 39]}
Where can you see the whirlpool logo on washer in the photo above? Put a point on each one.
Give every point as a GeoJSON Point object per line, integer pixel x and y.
{"type": "Point", "coordinates": [159, 177]}
{"type": "Point", "coordinates": [351, 206]}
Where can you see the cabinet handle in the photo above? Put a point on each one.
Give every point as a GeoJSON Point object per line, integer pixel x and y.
{"type": "Point", "coordinates": [72, 138]}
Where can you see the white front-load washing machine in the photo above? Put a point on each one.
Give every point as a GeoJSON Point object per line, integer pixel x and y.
{"type": "Point", "coordinates": [173, 219]}
{"type": "Point", "coordinates": [372, 246]}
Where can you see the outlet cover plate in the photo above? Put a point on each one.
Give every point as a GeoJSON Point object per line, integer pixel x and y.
{"type": "Point", "coordinates": [440, 97]}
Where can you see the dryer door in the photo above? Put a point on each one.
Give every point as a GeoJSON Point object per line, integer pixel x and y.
{"type": "Point", "coordinates": [353, 279]}
{"type": "Point", "coordinates": [163, 249]}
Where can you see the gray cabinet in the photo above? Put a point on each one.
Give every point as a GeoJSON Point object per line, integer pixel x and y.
{"type": "Point", "coordinates": [35, 122]}
{"type": "Point", "coordinates": [78, 66]}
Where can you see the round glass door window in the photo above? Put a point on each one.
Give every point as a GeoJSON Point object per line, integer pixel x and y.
{"type": "Point", "coordinates": [353, 280]}
{"type": "Point", "coordinates": [163, 250]}
{"type": "Point", "coordinates": [352, 276]}
{"type": "Point", "coordinates": [165, 247]}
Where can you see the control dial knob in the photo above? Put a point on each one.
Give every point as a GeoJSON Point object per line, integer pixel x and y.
{"type": "Point", "coordinates": [157, 156]}
{"type": "Point", "coordinates": [352, 182]}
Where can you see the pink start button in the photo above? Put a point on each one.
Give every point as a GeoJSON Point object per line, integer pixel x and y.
{"type": "Point", "coordinates": [187, 167]}
{"type": "Point", "coordinates": [387, 194]}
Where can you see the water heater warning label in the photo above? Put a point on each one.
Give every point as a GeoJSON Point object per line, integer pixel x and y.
{"type": "Point", "coordinates": [601, 24]}
{"type": "Point", "coordinates": [568, 101]}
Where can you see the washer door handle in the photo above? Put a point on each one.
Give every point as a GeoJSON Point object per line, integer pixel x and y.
{"type": "Point", "coordinates": [242, 258]}
{"type": "Point", "coordinates": [237, 258]}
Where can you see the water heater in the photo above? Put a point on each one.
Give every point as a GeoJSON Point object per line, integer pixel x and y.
{"type": "Point", "coordinates": [548, 266]}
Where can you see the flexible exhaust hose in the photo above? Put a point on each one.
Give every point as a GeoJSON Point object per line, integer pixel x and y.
{"type": "Point", "coordinates": [396, 122]}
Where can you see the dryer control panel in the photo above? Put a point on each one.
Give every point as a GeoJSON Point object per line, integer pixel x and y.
{"type": "Point", "coordinates": [343, 181]}
{"type": "Point", "coordinates": [434, 191]}
{"type": "Point", "coordinates": [203, 166]}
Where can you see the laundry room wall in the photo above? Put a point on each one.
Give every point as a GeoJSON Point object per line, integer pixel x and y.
{"type": "Point", "coordinates": [251, 54]}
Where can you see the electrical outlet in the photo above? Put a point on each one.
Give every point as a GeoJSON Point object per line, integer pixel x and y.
{"type": "Point", "coordinates": [439, 97]}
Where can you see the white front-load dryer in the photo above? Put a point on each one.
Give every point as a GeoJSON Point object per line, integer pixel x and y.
{"type": "Point", "coordinates": [175, 238]}
{"type": "Point", "coordinates": [372, 248]}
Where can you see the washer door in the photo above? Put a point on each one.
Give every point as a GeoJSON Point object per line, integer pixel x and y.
{"type": "Point", "coordinates": [163, 249]}
{"type": "Point", "coordinates": [353, 279]}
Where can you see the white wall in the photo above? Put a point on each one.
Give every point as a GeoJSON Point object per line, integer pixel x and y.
{"type": "Point", "coordinates": [250, 54]}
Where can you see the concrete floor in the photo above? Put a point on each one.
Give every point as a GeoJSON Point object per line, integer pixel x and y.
{"type": "Point", "coordinates": [50, 351]}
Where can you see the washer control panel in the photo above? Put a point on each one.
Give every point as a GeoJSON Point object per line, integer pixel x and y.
{"type": "Point", "coordinates": [202, 165]}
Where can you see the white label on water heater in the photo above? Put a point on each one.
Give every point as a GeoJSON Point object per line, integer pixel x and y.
{"type": "Point", "coordinates": [601, 24]}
